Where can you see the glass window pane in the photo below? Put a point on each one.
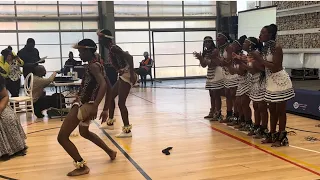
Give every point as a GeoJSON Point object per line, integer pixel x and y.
{"type": "Point", "coordinates": [132, 36]}
{"type": "Point", "coordinates": [136, 49]}
{"type": "Point", "coordinates": [71, 37]}
{"type": "Point", "coordinates": [8, 25]}
{"type": "Point", "coordinates": [131, 24]}
{"type": "Point", "coordinates": [52, 64]}
{"type": "Point", "coordinates": [67, 48]}
{"type": "Point", "coordinates": [70, 10]}
{"type": "Point", "coordinates": [71, 25]}
{"type": "Point", "coordinates": [36, 2]}
{"type": "Point", "coordinates": [52, 51]}
{"type": "Point", "coordinates": [7, 10]}
{"type": "Point", "coordinates": [130, 11]}
{"type": "Point", "coordinates": [196, 71]}
{"type": "Point", "coordinates": [40, 38]}
{"type": "Point", "coordinates": [165, 24]}
{"type": "Point", "coordinates": [200, 24]}
{"type": "Point", "coordinates": [131, 2]}
{"type": "Point", "coordinates": [169, 60]}
{"type": "Point", "coordinates": [37, 10]}
{"type": "Point", "coordinates": [40, 25]}
{"type": "Point", "coordinates": [168, 48]}
{"type": "Point", "coordinates": [162, 11]}
{"type": "Point", "coordinates": [200, 11]}
{"type": "Point", "coordinates": [91, 35]}
{"type": "Point", "coordinates": [14, 48]}
{"type": "Point", "coordinates": [92, 2]}
{"type": "Point", "coordinates": [90, 25]}
{"type": "Point", "coordinates": [165, 2]}
{"type": "Point", "coordinates": [8, 39]}
{"type": "Point", "coordinates": [167, 36]}
{"type": "Point", "coordinates": [191, 60]}
{"type": "Point", "coordinates": [136, 60]}
{"type": "Point", "coordinates": [194, 46]}
{"type": "Point", "coordinates": [90, 10]}
{"type": "Point", "coordinates": [69, 2]}
{"type": "Point", "coordinates": [6, 2]}
{"type": "Point", "coordinates": [170, 72]}
{"type": "Point", "coordinates": [200, 2]}
{"type": "Point", "coordinates": [199, 35]}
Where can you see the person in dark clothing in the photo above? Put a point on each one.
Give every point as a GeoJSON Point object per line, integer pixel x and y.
{"type": "Point", "coordinates": [30, 55]}
{"type": "Point", "coordinates": [145, 66]}
{"type": "Point", "coordinates": [71, 61]}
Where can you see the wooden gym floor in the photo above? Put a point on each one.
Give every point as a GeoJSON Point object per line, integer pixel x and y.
{"type": "Point", "coordinates": [164, 117]}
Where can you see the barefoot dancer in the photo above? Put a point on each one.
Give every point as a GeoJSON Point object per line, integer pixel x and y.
{"type": "Point", "coordinates": [258, 89]}
{"type": "Point", "coordinates": [278, 85]}
{"type": "Point", "coordinates": [230, 81]}
{"type": "Point", "coordinates": [123, 63]}
{"type": "Point", "coordinates": [93, 88]}
{"type": "Point", "coordinates": [214, 82]}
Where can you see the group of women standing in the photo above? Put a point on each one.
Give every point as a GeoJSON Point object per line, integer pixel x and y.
{"type": "Point", "coordinates": [248, 69]}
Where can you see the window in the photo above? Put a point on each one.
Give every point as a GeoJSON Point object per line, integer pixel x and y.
{"type": "Point", "coordinates": [69, 10]}
{"type": "Point", "coordinates": [200, 11]}
{"type": "Point", "coordinates": [200, 2]}
{"type": "Point", "coordinates": [67, 48]}
{"type": "Point", "coordinates": [40, 38]}
{"type": "Point", "coordinates": [136, 60]}
{"type": "Point", "coordinates": [6, 10]}
{"type": "Point", "coordinates": [71, 37]}
{"type": "Point", "coordinates": [6, 2]}
{"type": "Point", "coordinates": [90, 2]}
{"type": "Point", "coordinates": [196, 71]}
{"type": "Point", "coordinates": [132, 36]}
{"type": "Point", "coordinates": [8, 39]}
{"type": "Point", "coordinates": [38, 25]}
{"type": "Point", "coordinates": [91, 35]}
{"type": "Point", "coordinates": [37, 10]}
{"type": "Point", "coordinates": [52, 51]}
{"type": "Point", "coordinates": [52, 64]}
{"type": "Point", "coordinates": [165, 24]}
{"type": "Point", "coordinates": [130, 10]}
{"type": "Point", "coordinates": [131, 25]}
{"type": "Point", "coordinates": [7, 25]}
{"type": "Point", "coordinates": [71, 25]}
{"type": "Point", "coordinates": [70, 2]}
{"type": "Point", "coordinates": [90, 10]}
{"type": "Point", "coordinates": [169, 72]}
{"type": "Point", "coordinates": [169, 60]}
{"type": "Point", "coordinates": [135, 48]}
{"type": "Point", "coordinates": [36, 2]}
{"type": "Point", "coordinates": [194, 46]}
{"type": "Point", "coordinates": [168, 48]}
{"type": "Point", "coordinates": [191, 60]}
{"type": "Point", "coordinates": [131, 2]}
{"type": "Point", "coordinates": [168, 36]}
{"type": "Point", "coordinates": [162, 11]}
{"type": "Point", "coordinates": [165, 3]}
{"type": "Point", "coordinates": [200, 24]}
{"type": "Point", "coordinates": [199, 35]}
{"type": "Point", "coordinates": [90, 25]}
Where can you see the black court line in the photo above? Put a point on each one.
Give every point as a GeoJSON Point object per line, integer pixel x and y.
{"type": "Point", "coordinates": [142, 98]}
{"type": "Point", "coordinates": [142, 172]}
{"type": "Point", "coordinates": [43, 130]}
{"type": "Point", "coordinates": [5, 177]}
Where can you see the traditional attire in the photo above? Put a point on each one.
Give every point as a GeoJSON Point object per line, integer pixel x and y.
{"type": "Point", "coordinates": [215, 79]}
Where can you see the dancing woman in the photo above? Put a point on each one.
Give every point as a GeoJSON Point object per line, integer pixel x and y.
{"type": "Point", "coordinates": [242, 113]}
{"type": "Point", "coordinates": [258, 89]}
{"type": "Point", "coordinates": [278, 85]}
{"type": "Point", "coordinates": [123, 63]}
{"type": "Point", "coordinates": [92, 91]}
{"type": "Point", "coordinates": [214, 81]}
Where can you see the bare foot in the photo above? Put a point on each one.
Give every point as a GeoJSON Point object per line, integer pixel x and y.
{"type": "Point", "coordinates": [79, 172]}
{"type": "Point", "coordinates": [113, 155]}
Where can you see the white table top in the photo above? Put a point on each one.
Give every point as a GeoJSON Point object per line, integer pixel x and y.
{"type": "Point", "coordinates": [75, 83]}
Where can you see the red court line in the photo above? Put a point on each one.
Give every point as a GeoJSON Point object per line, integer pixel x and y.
{"type": "Point", "coordinates": [270, 153]}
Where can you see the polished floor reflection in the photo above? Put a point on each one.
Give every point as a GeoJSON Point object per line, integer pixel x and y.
{"type": "Point", "coordinates": [164, 117]}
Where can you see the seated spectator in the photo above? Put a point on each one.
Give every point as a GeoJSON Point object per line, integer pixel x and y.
{"type": "Point", "coordinates": [40, 100]}
{"type": "Point", "coordinates": [70, 62]}
{"type": "Point", "coordinates": [145, 66]}
{"type": "Point", "coordinates": [12, 136]}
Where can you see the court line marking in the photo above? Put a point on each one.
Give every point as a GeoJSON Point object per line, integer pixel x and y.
{"type": "Point", "coordinates": [5, 177]}
{"type": "Point", "coordinates": [269, 151]}
{"type": "Point", "coordinates": [142, 172]}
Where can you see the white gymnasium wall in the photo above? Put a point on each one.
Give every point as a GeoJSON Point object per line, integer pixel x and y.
{"type": "Point", "coordinates": [251, 22]}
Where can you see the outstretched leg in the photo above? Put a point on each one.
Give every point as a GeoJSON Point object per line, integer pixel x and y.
{"type": "Point", "coordinates": [84, 132]}
{"type": "Point", "coordinates": [69, 124]}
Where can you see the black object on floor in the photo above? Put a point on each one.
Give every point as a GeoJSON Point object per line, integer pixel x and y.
{"type": "Point", "coordinates": [166, 151]}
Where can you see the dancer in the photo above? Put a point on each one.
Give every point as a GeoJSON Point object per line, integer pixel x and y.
{"type": "Point", "coordinates": [214, 82]}
{"type": "Point", "coordinates": [278, 85]}
{"type": "Point", "coordinates": [123, 63]}
{"type": "Point", "coordinates": [230, 81]}
{"type": "Point", "coordinates": [93, 88]}
{"type": "Point", "coordinates": [242, 110]}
